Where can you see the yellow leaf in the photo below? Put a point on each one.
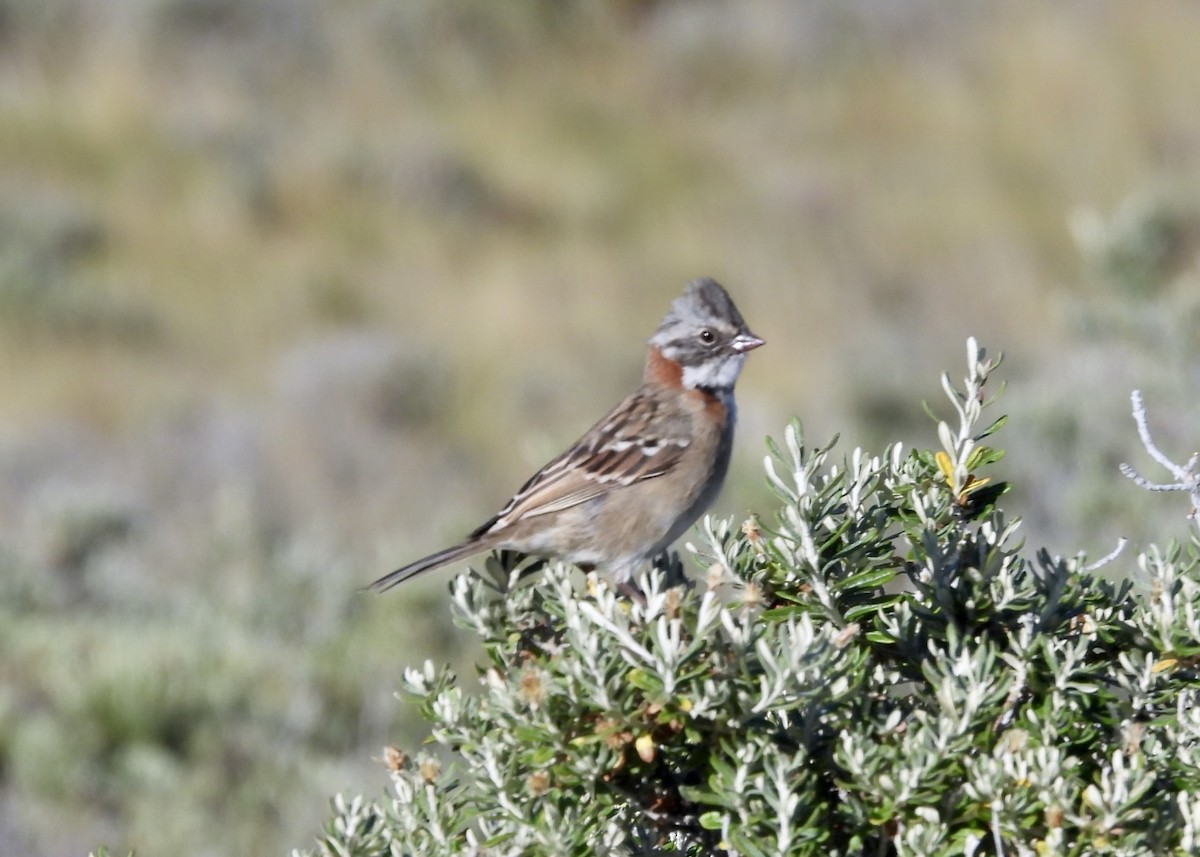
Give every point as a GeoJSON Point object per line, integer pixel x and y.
{"type": "Point", "coordinates": [1164, 665]}
{"type": "Point", "coordinates": [974, 483]}
{"type": "Point", "coordinates": [944, 464]}
{"type": "Point", "coordinates": [645, 747]}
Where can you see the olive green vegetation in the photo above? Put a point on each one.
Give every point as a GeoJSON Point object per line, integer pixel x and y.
{"type": "Point", "coordinates": [293, 291]}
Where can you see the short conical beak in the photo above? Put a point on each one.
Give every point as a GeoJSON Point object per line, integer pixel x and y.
{"type": "Point", "coordinates": [747, 341]}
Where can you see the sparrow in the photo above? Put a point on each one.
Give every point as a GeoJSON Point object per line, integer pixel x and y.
{"type": "Point", "coordinates": [642, 475]}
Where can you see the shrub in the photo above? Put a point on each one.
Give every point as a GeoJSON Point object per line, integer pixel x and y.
{"type": "Point", "coordinates": [883, 669]}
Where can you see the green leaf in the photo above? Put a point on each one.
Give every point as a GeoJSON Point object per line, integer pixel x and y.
{"type": "Point", "coordinates": [747, 844]}
{"type": "Point", "coordinates": [700, 795]}
{"type": "Point", "coordinates": [644, 680]}
{"type": "Point", "coordinates": [542, 755]}
{"type": "Point", "coordinates": [872, 578]}
{"type": "Point", "coordinates": [982, 456]}
{"type": "Point", "coordinates": [794, 597]}
{"type": "Point", "coordinates": [784, 613]}
{"type": "Point", "coordinates": [859, 610]}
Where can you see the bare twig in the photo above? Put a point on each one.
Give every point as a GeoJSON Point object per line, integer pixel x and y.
{"type": "Point", "coordinates": [1187, 479]}
{"type": "Point", "coordinates": [1105, 560]}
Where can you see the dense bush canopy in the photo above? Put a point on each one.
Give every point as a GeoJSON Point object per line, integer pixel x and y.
{"type": "Point", "coordinates": [882, 668]}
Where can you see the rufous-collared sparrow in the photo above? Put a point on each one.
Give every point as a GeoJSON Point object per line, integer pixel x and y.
{"type": "Point", "coordinates": [643, 474]}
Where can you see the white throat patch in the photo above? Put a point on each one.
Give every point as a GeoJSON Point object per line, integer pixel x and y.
{"type": "Point", "coordinates": [714, 374]}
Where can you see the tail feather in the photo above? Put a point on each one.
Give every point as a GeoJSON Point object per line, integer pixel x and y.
{"type": "Point", "coordinates": [435, 560]}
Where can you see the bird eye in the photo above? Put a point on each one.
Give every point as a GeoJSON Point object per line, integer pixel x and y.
{"type": "Point", "coordinates": [707, 336]}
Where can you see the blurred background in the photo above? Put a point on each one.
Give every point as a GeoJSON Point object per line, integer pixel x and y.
{"type": "Point", "coordinates": [293, 292]}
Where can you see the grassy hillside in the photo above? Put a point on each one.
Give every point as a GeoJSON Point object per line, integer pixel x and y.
{"type": "Point", "coordinates": [291, 292]}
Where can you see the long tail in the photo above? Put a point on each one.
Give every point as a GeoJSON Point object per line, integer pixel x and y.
{"type": "Point", "coordinates": [436, 560]}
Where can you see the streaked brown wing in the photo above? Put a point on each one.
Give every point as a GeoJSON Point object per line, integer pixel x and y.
{"type": "Point", "coordinates": [619, 450]}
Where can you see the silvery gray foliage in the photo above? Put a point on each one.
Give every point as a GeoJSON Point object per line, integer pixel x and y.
{"type": "Point", "coordinates": [883, 669]}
